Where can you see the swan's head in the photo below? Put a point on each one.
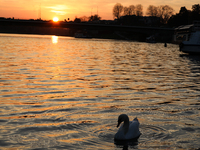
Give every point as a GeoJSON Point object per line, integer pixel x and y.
{"type": "Point", "coordinates": [122, 118]}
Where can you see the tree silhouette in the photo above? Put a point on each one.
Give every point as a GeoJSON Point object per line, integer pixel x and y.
{"type": "Point", "coordinates": [77, 20]}
{"type": "Point", "coordinates": [129, 10]}
{"type": "Point", "coordinates": [180, 18]}
{"type": "Point", "coordinates": [94, 18]}
{"type": "Point", "coordinates": [84, 18]}
{"type": "Point", "coordinates": [183, 10]}
{"type": "Point", "coordinates": [126, 11]}
{"type": "Point", "coordinates": [132, 9]}
{"type": "Point", "coordinates": [196, 12]}
{"type": "Point", "coordinates": [152, 11]}
{"type": "Point", "coordinates": [139, 10]}
{"type": "Point", "coordinates": [165, 12]}
{"type": "Point", "coordinates": [117, 10]}
{"type": "Point", "coordinates": [196, 8]}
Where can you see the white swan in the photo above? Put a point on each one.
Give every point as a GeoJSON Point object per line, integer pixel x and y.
{"type": "Point", "coordinates": [128, 130]}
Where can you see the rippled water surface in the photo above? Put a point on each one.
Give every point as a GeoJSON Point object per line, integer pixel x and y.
{"type": "Point", "coordinates": [67, 93]}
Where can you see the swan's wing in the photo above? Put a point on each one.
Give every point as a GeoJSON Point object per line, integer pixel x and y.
{"type": "Point", "coordinates": [133, 131]}
{"type": "Point", "coordinates": [134, 125]}
{"type": "Point", "coordinates": [135, 119]}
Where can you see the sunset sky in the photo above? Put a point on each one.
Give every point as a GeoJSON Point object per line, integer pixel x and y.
{"type": "Point", "coordinates": [64, 9]}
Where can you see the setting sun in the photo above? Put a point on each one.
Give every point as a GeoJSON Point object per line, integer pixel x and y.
{"type": "Point", "coordinates": [55, 19]}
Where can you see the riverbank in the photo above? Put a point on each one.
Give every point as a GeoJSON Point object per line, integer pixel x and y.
{"type": "Point", "coordinates": [135, 33]}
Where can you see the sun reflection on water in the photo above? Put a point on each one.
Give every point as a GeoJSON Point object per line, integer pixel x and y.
{"type": "Point", "coordinates": [54, 39]}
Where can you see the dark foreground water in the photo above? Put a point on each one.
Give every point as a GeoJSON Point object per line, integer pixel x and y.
{"type": "Point", "coordinates": [67, 93]}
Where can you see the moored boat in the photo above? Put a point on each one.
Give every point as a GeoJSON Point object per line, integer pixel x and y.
{"type": "Point", "coordinates": [192, 45]}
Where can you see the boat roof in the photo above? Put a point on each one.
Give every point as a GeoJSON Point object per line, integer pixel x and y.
{"type": "Point", "coordinates": [184, 27]}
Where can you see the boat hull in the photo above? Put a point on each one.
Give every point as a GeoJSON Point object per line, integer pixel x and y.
{"type": "Point", "coordinates": [190, 48]}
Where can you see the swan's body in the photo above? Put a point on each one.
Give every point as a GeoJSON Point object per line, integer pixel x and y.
{"type": "Point", "coordinates": [128, 130]}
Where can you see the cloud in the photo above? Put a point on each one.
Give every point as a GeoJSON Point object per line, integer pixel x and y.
{"type": "Point", "coordinates": [59, 12]}
{"type": "Point", "coordinates": [58, 9]}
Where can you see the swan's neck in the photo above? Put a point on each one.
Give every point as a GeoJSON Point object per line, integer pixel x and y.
{"type": "Point", "coordinates": [126, 126]}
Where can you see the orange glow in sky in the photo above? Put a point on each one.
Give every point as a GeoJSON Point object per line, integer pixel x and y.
{"type": "Point", "coordinates": [64, 9]}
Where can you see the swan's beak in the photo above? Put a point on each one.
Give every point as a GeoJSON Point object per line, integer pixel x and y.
{"type": "Point", "coordinates": [118, 124]}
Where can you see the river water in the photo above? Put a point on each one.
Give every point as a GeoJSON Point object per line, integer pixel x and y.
{"type": "Point", "coordinates": [66, 93]}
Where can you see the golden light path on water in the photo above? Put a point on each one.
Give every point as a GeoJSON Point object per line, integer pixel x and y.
{"type": "Point", "coordinates": [66, 93]}
{"type": "Point", "coordinates": [54, 39]}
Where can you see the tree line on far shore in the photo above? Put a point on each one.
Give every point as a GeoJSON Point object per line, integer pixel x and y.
{"type": "Point", "coordinates": [92, 18]}
{"type": "Point", "coordinates": [185, 16]}
{"type": "Point", "coordinates": [164, 13]}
